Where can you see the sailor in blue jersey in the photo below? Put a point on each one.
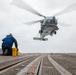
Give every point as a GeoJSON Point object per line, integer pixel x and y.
{"type": "Point", "coordinates": [8, 43]}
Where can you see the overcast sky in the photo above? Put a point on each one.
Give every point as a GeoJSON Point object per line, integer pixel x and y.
{"type": "Point", "coordinates": [12, 19]}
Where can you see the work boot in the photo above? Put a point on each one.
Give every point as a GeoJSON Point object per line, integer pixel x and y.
{"type": "Point", "coordinates": [6, 52]}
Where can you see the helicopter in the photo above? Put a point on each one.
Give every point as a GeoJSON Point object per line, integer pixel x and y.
{"type": "Point", "coordinates": [49, 25]}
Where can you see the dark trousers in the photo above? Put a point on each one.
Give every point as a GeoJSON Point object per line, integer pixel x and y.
{"type": "Point", "coordinates": [8, 47]}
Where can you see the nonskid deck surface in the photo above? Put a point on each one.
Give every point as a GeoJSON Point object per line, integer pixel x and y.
{"type": "Point", "coordinates": [39, 64]}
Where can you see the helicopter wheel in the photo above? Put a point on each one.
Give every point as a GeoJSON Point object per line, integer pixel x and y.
{"type": "Point", "coordinates": [40, 31]}
{"type": "Point", "coordinates": [55, 32]}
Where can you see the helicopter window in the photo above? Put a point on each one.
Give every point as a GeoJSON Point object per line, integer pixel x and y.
{"type": "Point", "coordinates": [49, 20]}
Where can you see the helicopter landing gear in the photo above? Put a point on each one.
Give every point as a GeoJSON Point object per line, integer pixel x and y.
{"type": "Point", "coordinates": [55, 32]}
{"type": "Point", "coordinates": [40, 31]}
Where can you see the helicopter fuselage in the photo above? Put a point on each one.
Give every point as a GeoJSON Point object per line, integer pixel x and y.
{"type": "Point", "coordinates": [48, 27]}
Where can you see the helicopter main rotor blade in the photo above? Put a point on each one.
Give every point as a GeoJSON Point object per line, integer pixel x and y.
{"type": "Point", "coordinates": [67, 10]}
{"type": "Point", "coordinates": [33, 22]}
{"type": "Point", "coordinates": [64, 24]}
{"type": "Point", "coordinates": [23, 5]}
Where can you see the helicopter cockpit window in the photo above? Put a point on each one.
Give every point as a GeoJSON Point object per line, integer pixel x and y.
{"type": "Point", "coordinates": [49, 20]}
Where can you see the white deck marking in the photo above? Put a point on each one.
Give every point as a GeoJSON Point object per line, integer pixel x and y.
{"type": "Point", "coordinates": [59, 67]}
{"type": "Point", "coordinates": [47, 67]}
{"type": "Point", "coordinates": [23, 71]}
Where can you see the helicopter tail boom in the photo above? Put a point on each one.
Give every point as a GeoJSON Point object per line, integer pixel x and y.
{"type": "Point", "coordinates": [41, 39]}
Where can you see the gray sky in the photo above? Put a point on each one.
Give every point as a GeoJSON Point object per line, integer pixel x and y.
{"type": "Point", "coordinates": [12, 19]}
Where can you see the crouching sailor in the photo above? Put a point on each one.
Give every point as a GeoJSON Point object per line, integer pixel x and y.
{"type": "Point", "coordinates": [8, 43]}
